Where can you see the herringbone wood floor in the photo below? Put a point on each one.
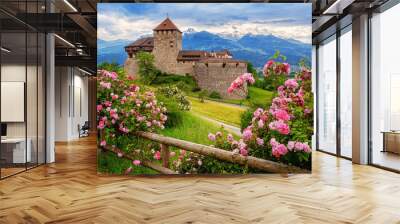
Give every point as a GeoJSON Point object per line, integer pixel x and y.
{"type": "Point", "coordinates": [70, 191]}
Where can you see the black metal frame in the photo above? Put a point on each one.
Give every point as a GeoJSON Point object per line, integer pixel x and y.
{"type": "Point", "coordinates": [339, 32]}
{"type": "Point", "coordinates": [389, 4]}
{"type": "Point", "coordinates": [380, 9]}
{"type": "Point", "coordinates": [44, 70]}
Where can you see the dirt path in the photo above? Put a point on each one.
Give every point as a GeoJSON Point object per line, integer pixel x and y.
{"type": "Point", "coordinates": [223, 103]}
{"type": "Point", "coordinates": [230, 128]}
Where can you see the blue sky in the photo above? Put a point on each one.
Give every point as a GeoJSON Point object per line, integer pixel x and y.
{"type": "Point", "coordinates": [132, 20]}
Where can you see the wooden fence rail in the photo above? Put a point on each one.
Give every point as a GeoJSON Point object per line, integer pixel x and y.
{"type": "Point", "coordinates": [154, 166]}
{"type": "Point", "coordinates": [253, 162]}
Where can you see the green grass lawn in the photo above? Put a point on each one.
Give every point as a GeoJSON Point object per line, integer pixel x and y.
{"type": "Point", "coordinates": [259, 97]}
{"type": "Point", "coordinates": [110, 163]}
{"type": "Point", "coordinates": [192, 129]}
{"type": "Point", "coordinates": [218, 111]}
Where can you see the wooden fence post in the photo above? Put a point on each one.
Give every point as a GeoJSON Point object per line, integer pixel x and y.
{"type": "Point", "coordinates": [165, 155]}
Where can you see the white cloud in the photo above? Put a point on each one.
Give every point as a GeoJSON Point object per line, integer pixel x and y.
{"type": "Point", "coordinates": [119, 26]}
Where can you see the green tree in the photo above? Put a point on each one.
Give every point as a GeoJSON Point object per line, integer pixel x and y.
{"type": "Point", "coordinates": [252, 70]}
{"type": "Point", "coordinates": [147, 70]}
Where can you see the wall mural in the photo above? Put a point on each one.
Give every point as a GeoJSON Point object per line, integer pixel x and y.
{"type": "Point", "coordinates": [204, 88]}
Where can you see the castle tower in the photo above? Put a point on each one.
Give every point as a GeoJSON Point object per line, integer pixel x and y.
{"type": "Point", "coordinates": [167, 44]}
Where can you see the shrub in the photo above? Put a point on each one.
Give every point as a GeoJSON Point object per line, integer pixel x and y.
{"type": "Point", "coordinates": [196, 89]}
{"type": "Point", "coordinates": [173, 92]}
{"type": "Point", "coordinates": [281, 132]}
{"type": "Point", "coordinates": [187, 82]}
{"type": "Point", "coordinates": [202, 95]}
{"type": "Point", "coordinates": [245, 118]}
{"type": "Point", "coordinates": [147, 71]}
{"type": "Point", "coordinates": [175, 101]}
{"type": "Point", "coordinates": [215, 95]}
{"type": "Point", "coordinates": [122, 109]}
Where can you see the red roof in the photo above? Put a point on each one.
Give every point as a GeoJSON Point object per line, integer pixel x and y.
{"type": "Point", "coordinates": [167, 24]}
{"type": "Point", "coordinates": [143, 42]}
{"type": "Point", "coordinates": [190, 55]}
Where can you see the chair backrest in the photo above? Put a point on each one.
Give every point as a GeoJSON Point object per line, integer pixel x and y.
{"type": "Point", "coordinates": [86, 125]}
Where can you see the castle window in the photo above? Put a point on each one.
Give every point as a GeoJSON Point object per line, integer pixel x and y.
{"type": "Point", "coordinates": [171, 43]}
{"type": "Point", "coordinates": [223, 65]}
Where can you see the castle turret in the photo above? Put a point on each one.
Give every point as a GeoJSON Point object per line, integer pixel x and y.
{"type": "Point", "coordinates": [167, 44]}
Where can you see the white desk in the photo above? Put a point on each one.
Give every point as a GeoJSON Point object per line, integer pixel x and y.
{"type": "Point", "coordinates": [18, 149]}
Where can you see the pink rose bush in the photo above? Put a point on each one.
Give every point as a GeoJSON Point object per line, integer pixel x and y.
{"type": "Point", "coordinates": [283, 131]}
{"type": "Point", "coordinates": [276, 71]}
{"type": "Point", "coordinates": [240, 83]}
{"type": "Point", "coordinates": [123, 109]}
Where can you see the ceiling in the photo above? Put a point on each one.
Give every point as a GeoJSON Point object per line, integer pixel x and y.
{"type": "Point", "coordinates": [74, 21]}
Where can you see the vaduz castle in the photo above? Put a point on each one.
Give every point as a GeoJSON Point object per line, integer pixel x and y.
{"type": "Point", "coordinates": [213, 71]}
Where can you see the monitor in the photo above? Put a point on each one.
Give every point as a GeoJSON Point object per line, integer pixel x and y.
{"type": "Point", "coordinates": [3, 129]}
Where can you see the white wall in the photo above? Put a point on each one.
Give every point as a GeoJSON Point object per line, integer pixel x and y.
{"type": "Point", "coordinates": [314, 90]}
{"type": "Point", "coordinates": [71, 87]}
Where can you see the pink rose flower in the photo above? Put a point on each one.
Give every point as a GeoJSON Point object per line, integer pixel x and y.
{"type": "Point", "coordinates": [260, 123]}
{"type": "Point", "coordinates": [99, 107]}
{"type": "Point", "coordinates": [280, 126]}
{"type": "Point", "coordinates": [281, 115]}
{"type": "Point", "coordinates": [267, 66]}
{"type": "Point", "coordinates": [298, 146]}
{"type": "Point", "coordinates": [248, 77]}
{"type": "Point", "coordinates": [290, 145]}
{"type": "Point", "coordinates": [101, 124]}
{"type": "Point", "coordinates": [291, 83]}
{"type": "Point", "coordinates": [229, 138]}
{"type": "Point", "coordinates": [273, 142]}
{"type": "Point", "coordinates": [279, 150]}
{"type": "Point", "coordinates": [157, 155]}
{"type": "Point", "coordinates": [260, 141]}
{"type": "Point", "coordinates": [172, 154]}
{"type": "Point", "coordinates": [103, 143]}
{"type": "Point", "coordinates": [107, 103]}
{"type": "Point", "coordinates": [306, 148]}
{"type": "Point", "coordinates": [136, 162]}
{"type": "Point", "coordinates": [243, 152]}
{"type": "Point", "coordinates": [258, 112]}
{"type": "Point", "coordinates": [211, 137]}
{"type": "Point", "coordinates": [286, 68]}
{"type": "Point", "coordinates": [105, 85]}
{"type": "Point", "coordinates": [128, 170]}
{"type": "Point", "coordinates": [247, 134]}
{"type": "Point", "coordinates": [114, 96]}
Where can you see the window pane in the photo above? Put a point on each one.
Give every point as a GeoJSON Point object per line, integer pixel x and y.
{"type": "Point", "coordinates": [327, 96]}
{"type": "Point", "coordinates": [385, 84]}
{"type": "Point", "coordinates": [346, 93]}
{"type": "Point", "coordinates": [14, 153]}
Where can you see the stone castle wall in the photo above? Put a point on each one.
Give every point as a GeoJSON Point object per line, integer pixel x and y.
{"type": "Point", "coordinates": [167, 45]}
{"type": "Point", "coordinates": [183, 68]}
{"type": "Point", "coordinates": [131, 67]}
{"type": "Point", "coordinates": [217, 76]}
{"type": "Point", "coordinates": [211, 76]}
